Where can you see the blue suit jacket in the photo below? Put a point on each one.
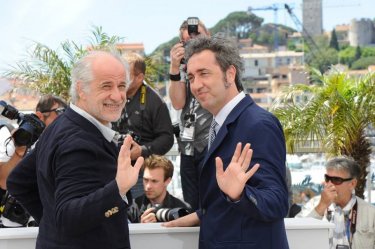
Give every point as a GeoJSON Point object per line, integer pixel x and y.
{"type": "Point", "coordinates": [257, 219]}
{"type": "Point", "coordinates": [67, 184]}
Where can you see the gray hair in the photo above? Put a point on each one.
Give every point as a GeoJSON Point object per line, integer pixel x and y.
{"type": "Point", "coordinates": [82, 71]}
{"type": "Point", "coordinates": [344, 163]}
{"type": "Point", "coordinates": [226, 54]}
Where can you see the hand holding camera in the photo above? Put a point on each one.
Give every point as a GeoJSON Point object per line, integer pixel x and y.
{"type": "Point", "coordinates": [177, 54]}
{"type": "Point", "coordinates": [149, 216]}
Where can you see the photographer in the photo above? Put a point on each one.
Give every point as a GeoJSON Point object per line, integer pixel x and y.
{"type": "Point", "coordinates": [194, 120]}
{"type": "Point", "coordinates": [146, 117]}
{"type": "Point", "coordinates": [156, 204]}
{"type": "Point", "coordinates": [47, 110]}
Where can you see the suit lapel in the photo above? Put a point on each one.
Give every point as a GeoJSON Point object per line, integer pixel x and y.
{"type": "Point", "coordinates": [232, 117]}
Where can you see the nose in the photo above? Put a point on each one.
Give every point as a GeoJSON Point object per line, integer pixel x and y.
{"type": "Point", "coordinates": [118, 94]}
{"type": "Point", "coordinates": [196, 85]}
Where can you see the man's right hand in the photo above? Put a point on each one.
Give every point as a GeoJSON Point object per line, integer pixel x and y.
{"type": "Point", "coordinates": [327, 197]}
{"type": "Point", "coordinates": [176, 54]}
{"type": "Point", "coordinates": [189, 220]}
{"type": "Point", "coordinates": [127, 175]}
{"type": "Point", "coordinates": [149, 216]}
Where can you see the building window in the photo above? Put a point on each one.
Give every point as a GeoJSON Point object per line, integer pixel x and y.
{"type": "Point", "coordinates": [256, 63]}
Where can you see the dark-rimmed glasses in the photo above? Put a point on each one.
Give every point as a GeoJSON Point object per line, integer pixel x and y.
{"type": "Point", "coordinates": [59, 110]}
{"type": "Point", "coordinates": [336, 180]}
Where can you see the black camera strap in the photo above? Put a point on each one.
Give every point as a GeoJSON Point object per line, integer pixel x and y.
{"type": "Point", "coordinates": [352, 223]}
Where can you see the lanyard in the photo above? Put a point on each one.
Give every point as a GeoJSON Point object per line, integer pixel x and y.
{"type": "Point", "coordinates": [352, 222]}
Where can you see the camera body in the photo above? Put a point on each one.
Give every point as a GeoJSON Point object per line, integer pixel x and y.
{"type": "Point", "coordinates": [193, 26]}
{"type": "Point", "coordinates": [168, 214]}
{"type": "Point", "coordinates": [192, 29]}
{"type": "Point", "coordinates": [135, 136]}
{"type": "Point", "coordinates": [30, 127]}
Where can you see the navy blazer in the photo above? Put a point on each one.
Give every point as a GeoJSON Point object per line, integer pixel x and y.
{"type": "Point", "coordinates": [67, 184]}
{"type": "Point", "coordinates": [256, 221]}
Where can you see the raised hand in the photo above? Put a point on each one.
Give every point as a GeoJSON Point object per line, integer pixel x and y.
{"type": "Point", "coordinates": [232, 181]}
{"type": "Point", "coordinates": [127, 175]}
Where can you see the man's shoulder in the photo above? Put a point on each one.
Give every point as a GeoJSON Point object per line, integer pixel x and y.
{"type": "Point", "coordinates": [175, 202]}
{"type": "Point", "coordinates": [154, 94]}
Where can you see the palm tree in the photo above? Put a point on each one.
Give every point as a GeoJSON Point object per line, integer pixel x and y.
{"type": "Point", "coordinates": [336, 112]}
{"type": "Point", "coordinates": [48, 70]}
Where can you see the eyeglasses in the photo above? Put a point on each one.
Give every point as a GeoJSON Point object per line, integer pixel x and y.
{"type": "Point", "coordinates": [336, 180]}
{"type": "Point", "coordinates": [59, 110]}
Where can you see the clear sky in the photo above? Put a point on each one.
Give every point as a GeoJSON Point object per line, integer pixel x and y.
{"type": "Point", "coordinates": [149, 21]}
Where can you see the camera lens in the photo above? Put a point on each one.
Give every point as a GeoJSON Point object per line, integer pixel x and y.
{"type": "Point", "coordinates": [24, 135]}
{"type": "Point", "coordinates": [167, 214]}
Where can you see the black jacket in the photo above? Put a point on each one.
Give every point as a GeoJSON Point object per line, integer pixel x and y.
{"type": "Point", "coordinates": [141, 203]}
{"type": "Point", "coordinates": [67, 183]}
{"type": "Point", "coordinates": [149, 121]}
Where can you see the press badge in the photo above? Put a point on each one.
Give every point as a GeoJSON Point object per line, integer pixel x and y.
{"type": "Point", "coordinates": [187, 134]}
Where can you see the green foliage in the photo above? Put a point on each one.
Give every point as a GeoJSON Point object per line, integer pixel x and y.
{"type": "Point", "coordinates": [335, 112]}
{"type": "Point", "coordinates": [363, 63]}
{"type": "Point", "coordinates": [347, 55]}
{"type": "Point", "coordinates": [265, 35]}
{"type": "Point", "coordinates": [322, 61]}
{"type": "Point", "coordinates": [237, 24]}
{"type": "Point", "coordinates": [333, 42]}
{"type": "Point", "coordinates": [48, 71]}
{"type": "Point", "coordinates": [358, 53]}
{"type": "Point", "coordinates": [368, 51]}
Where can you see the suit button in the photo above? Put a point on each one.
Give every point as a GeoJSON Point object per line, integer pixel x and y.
{"type": "Point", "coordinates": [203, 211]}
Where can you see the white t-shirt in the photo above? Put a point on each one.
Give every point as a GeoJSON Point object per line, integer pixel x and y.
{"type": "Point", "coordinates": [6, 145]}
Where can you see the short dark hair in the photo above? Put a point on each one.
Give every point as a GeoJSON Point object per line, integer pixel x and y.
{"type": "Point", "coordinates": [47, 101]}
{"type": "Point", "coordinates": [226, 54]}
{"type": "Point", "coordinates": [344, 163]}
{"type": "Point", "coordinates": [138, 62]}
{"type": "Point", "coordinates": [156, 161]}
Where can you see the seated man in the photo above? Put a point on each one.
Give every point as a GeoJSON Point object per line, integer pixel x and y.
{"type": "Point", "coordinates": [354, 218]}
{"type": "Point", "coordinates": [158, 172]}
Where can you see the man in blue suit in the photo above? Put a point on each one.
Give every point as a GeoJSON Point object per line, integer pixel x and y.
{"type": "Point", "coordinates": [243, 194]}
{"type": "Point", "coordinates": [75, 182]}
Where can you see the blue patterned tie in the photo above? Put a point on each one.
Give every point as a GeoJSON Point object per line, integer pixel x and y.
{"type": "Point", "coordinates": [212, 132]}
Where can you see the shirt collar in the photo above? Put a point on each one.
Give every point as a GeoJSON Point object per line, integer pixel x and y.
{"type": "Point", "coordinates": [106, 131]}
{"type": "Point", "coordinates": [224, 112]}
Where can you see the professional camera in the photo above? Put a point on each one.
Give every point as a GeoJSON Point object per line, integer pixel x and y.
{"type": "Point", "coordinates": [176, 129]}
{"type": "Point", "coordinates": [192, 31]}
{"type": "Point", "coordinates": [193, 26]}
{"type": "Point", "coordinates": [135, 136]}
{"type": "Point", "coordinates": [12, 210]}
{"type": "Point", "coordinates": [168, 214]}
{"type": "Point", "coordinates": [30, 126]}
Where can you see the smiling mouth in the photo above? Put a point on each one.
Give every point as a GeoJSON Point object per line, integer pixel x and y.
{"type": "Point", "coordinates": [113, 106]}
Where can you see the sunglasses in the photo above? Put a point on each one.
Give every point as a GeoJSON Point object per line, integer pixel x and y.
{"type": "Point", "coordinates": [59, 110]}
{"type": "Point", "coordinates": [335, 179]}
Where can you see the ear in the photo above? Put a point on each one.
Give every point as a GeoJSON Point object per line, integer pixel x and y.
{"type": "Point", "coordinates": [80, 91]}
{"type": "Point", "coordinates": [166, 182]}
{"type": "Point", "coordinates": [231, 74]}
{"type": "Point", "coordinates": [140, 77]}
{"type": "Point", "coordinates": [39, 115]}
{"type": "Point", "coordinates": [354, 184]}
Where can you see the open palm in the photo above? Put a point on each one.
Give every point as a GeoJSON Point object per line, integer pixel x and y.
{"type": "Point", "coordinates": [232, 181]}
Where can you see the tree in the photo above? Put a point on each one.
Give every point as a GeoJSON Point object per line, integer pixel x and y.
{"type": "Point", "coordinates": [333, 42]}
{"type": "Point", "coordinates": [363, 63]}
{"type": "Point", "coordinates": [358, 53]}
{"type": "Point", "coordinates": [48, 70]}
{"type": "Point", "coordinates": [322, 61]}
{"type": "Point", "coordinates": [336, 113]}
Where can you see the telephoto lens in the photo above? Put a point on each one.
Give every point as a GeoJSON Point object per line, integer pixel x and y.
{"type": "Point", "coordinates": [168, 214]}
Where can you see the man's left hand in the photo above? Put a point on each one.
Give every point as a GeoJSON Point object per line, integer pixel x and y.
{"type": "Point", "coordinates": [135, 151]}
{"type": "Point", "coordinates": [232, 181]}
